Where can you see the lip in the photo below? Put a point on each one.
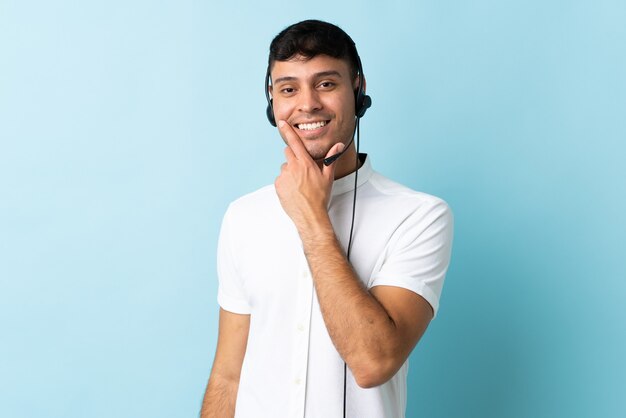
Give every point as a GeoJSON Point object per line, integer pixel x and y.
{"type": "Point", "coordinates": [313, 133]}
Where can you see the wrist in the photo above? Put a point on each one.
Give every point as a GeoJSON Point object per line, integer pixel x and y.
{"type": "Point", "coordinates": [316, 228]}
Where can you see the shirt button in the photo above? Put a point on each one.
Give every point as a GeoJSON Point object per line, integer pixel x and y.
{"type": "Point", "coordinates": [297, 381]}
{"type": "Point", "coordinates": [305, 274]}
{"type": "Point", "coordinates": [300, 327]}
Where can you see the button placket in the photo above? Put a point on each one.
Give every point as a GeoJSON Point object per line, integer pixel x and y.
{"type": "Point", "coordinates": [301, 339]}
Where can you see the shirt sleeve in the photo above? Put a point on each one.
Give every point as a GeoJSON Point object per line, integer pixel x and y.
{"type": "Point", "coordinates": [231, 294]}
{"type": "Point", "coordinates": [418, 254]}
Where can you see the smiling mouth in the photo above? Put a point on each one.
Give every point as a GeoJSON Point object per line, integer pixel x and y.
{"type": "Point", "coordinates": [312, 126]}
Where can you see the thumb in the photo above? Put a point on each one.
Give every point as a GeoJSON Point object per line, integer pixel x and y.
{"type": "Point", "coordinates": [329, 170]}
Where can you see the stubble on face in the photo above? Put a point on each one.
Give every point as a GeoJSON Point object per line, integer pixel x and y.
{"type": "Point", "coordinates": [317, 151]}
{"type": "Point", "coordinates": [336, 107]}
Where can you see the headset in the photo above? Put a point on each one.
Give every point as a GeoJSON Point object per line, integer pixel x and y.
{"type": "Point", "coordinates": [362, 102]}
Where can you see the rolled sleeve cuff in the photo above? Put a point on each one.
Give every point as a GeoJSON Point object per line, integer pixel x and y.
{"type": "Point", "coordinates": [424, 291]}
{"type": "Point", "coordinates": [231, 304]}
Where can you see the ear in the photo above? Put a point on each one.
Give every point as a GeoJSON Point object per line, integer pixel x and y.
{"type": "Point", "coordinates": [357, 80]}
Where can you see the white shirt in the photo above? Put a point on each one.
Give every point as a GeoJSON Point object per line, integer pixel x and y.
{"type": "Point", "coordinates": [291, 367]}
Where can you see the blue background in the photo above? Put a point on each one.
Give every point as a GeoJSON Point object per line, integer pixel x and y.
{"type": "Point", "coordinates": [126, 127]}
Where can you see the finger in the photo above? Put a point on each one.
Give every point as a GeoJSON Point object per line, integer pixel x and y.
{"type": "Point", "coordinates": [329, 170]}
{"type": "Point", "coordinates": [289, 155]}
{"type": "Point", "coordinates": [293, 140]}
{"type": "Point", "coordinates": [277, 180]}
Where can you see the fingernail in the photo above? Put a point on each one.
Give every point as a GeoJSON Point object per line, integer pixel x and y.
{"type": "Point", "coordinates": [341, 147]}
{"type": "Point", "coordinates": [281, 123]}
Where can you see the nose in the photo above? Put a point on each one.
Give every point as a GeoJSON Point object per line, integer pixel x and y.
{"type": "Point", "coordinates": [309, 101]}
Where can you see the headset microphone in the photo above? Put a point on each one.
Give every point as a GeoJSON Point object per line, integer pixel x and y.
{"type": "Point", "coordinates": [329, 160]}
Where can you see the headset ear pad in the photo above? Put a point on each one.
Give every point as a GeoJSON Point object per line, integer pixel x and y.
{"type": "Point", "coordinates": [269, 111]}
{"type": "Point", "coordinates": [363, 102]}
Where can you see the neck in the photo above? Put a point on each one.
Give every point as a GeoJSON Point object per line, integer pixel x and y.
{"type": "Point", "coordinates": [347, 163]}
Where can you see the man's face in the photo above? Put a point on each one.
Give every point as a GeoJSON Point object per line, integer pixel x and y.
{"type": "Point", "coordinates": [316, 97]}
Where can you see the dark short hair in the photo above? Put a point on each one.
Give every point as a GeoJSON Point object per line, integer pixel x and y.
{"type": "Point", "coordinates": [310, 38]}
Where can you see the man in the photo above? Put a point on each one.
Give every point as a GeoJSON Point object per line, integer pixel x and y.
{"type": "Point", "coordinates": [302, 293]}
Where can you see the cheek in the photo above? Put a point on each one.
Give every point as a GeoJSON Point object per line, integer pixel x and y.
{"type": "Point", "coordinates": [282, 110]}
{"type": "Point", "coordinates": [344, 107]}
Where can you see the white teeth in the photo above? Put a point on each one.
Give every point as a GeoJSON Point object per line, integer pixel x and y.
{"type": "Point", "coordinates": [311, 126]}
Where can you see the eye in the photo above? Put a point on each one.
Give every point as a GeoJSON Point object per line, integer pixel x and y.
{"type": "Point", "coordinates": [327, 84]}
{"type": "Point", "coordinates": [287, 91]}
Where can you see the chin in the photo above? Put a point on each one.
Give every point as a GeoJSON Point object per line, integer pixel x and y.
{"type": "Point", "coordinates": [318, 152]}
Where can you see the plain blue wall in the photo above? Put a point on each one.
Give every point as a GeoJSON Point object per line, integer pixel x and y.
{"type": "Point", "coordinates": [126, 127]}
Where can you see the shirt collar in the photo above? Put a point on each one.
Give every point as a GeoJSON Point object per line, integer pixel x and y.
{"type": "Point", "coordinates": [346, 184]}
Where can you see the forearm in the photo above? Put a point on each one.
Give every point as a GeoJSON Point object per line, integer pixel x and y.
{"type": "Point", "coordinates": [219, 398]}
{"type": "Point", "coordinates": [361, 329]}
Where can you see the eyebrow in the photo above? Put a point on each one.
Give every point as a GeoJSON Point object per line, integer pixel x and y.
{"type": "Point", "coordinates": [316, 75]}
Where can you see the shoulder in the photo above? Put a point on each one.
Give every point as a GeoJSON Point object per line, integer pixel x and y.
{"type": "Point", "coordinates": [263, 198]}
{"type": "Point", "coordinates": [396, 195]}
{"type": "Point", "coordinates": [257, 212]}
